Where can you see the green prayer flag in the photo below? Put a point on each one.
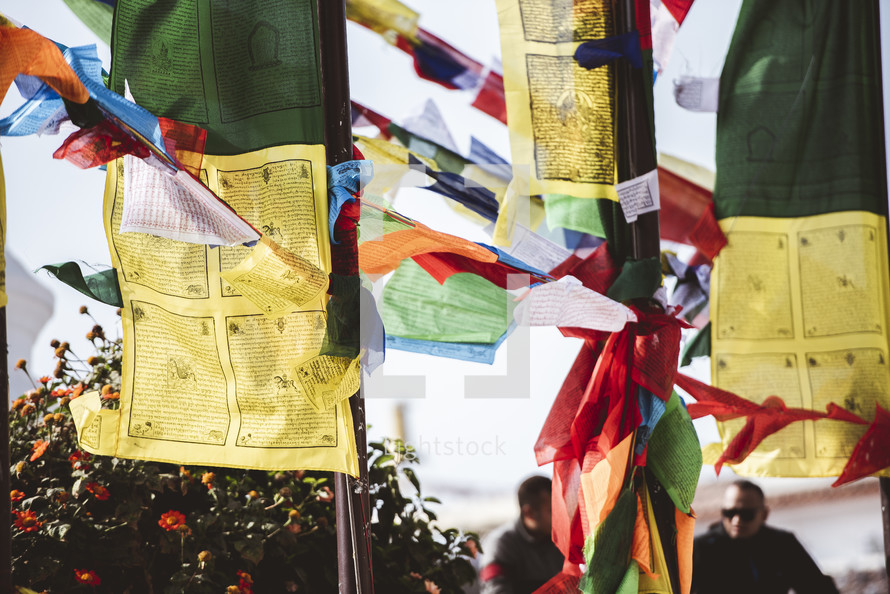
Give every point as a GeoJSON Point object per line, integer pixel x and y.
{"type": "Point", "coordinates": [674, 454]}
{"type": "Point", "coordinates": [608, 553]}
{"type": "Point", "coordinates": [101, 286]}
{"type": "Point", "coordinates": [638, 279]}
{"type": "Point", "coordinates": [698, 346]}
{"type": "Point", "coordinates": [466, 308]}
{"type": "Point", "coordinates": [95, 15]}
{"type": "Point", "coordinates": [577, 214]}
{"type": "Point", "coordinates": [446, 159]}
{"type": "Point", "coordinates": [631, 582]}
{"type": "Point", "coordinates": [248, 72]}
{"type": "Point", "coordinates": [798, 124]}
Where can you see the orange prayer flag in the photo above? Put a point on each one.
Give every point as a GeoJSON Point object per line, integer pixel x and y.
{"type": "Point", "coordinates": [27, 52]}
{"type": "Point", "coordinates": [685, 536]}
{"type": "Point", "coordinates": [383, 255]}
{"type": "Point", "coordinates": [602, 485]}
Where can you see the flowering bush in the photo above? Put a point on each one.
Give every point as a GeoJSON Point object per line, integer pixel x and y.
{"type": "Point", "coordinates": [83, 523]}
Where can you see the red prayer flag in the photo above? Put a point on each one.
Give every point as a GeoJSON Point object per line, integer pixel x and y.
{"type": "Point", "coordinates": [872, 451]}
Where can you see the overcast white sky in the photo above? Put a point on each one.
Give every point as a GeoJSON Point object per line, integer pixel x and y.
{"type": "Point", "coordinates": [54, 215]}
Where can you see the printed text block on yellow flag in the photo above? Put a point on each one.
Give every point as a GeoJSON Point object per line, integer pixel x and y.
{"type": "Point", "coordinates": [799, 310]}
{"type": "Point", "coordinates": [561, 116]}
{"type": "Point", "coordinates": [207, 377]}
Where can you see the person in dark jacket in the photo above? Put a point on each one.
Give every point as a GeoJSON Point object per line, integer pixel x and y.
{"type": "Point", "coordinates": [742, 554]}
{"type": "Point", "coordinates": [519, 557]}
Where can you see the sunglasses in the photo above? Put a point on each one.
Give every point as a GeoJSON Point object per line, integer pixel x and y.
{"type": "Point", "coordinates": [744, 514]}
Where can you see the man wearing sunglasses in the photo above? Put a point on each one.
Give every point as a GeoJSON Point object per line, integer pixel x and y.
{"type": "Point", "coordinates": [741, 554]}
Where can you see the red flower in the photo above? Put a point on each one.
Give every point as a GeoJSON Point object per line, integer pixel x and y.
{"type": "Point", "coordinates": [326, 495]}
{"type": "Point", "coordinates": [98, 491]}
{"type": "Point", "coordinates": [77, 457]}
{"type": "Point", "coordinates": [171, 520]}
{"type": "Point", "coordinates": [38, 448]}
{"type": "Point", "coordinates": [27, 521]}
{"type": "Point", "coordinates": [87, 576]}
{"type": "Point", "coordinates": [246, 582]}
{"type": "Point", "coordinates": [45, 379]}
{"type": "Point", "coordinates": [16, 495]}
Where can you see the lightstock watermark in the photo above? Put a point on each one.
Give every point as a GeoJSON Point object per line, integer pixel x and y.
{"type": "Point", "coordinates": [438, 446]}
{"type": "Point", "coordinates": [514, 210]}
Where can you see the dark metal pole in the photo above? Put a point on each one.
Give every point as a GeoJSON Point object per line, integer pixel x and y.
{"type": "Point", "coordinates": [637, 156]}
{"type": "Point", "coordinates": [885, 514]}
{"type": "Point", "coordinates": [352, 501]}
{"type": "Point", "coordinates": [5, 481]}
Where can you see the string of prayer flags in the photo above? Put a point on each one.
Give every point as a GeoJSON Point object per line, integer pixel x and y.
{"type": "Point", "coordinates": [363, 116]}
{"type": "Point", "coordinates": [165, 196]}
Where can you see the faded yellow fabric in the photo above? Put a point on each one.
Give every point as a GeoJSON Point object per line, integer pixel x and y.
{"type": "Point", "coordinates": [561, 116]}
{"type": "Point", "coordinates": [799, 310]}
{"type": "Point", "coordinates": [389, 18]}
{"type": "Point", "coordinates": [207, 377]}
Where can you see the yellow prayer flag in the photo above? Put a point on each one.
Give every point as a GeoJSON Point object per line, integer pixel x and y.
{"type": "Point", "coordinates": [561, 116]}
{"type": "Point", "coordinates": [799, 310]}
{"type": "Point", "coordinates": [207, 378]}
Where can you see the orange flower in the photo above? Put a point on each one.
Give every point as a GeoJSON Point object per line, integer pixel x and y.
{"type": "Point", "coordinates": [111, 396]}
{"type": "Point", "coordinates": [98, 491]}
{"type": "Point", "coordinates": [171, 520]}
{"type": "Point", "coordinates": [87, 576]}
{"type": "Point", "coordinates": [431, 587]}
{"type": "Point", "coordinates": [326, 495]}
{"type": "Point", "coordinates": [207, 478]}
{"type": "Point", "coordinates": [27, 521]}
{"type": "Point", "coordinates": [78, 390]}
{"type": "Point", "coordinates": [16, 495]}
{"type": "Point", "coordinates": [38, 448]}
{"type": "Point", "coordinates": [45, 379]}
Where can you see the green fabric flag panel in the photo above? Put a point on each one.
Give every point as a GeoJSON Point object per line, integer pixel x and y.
{"type": "Point", "coordinates": [467, 308]}
{"type": "Point", "coordinates": [674, 455]}
{"type": "Point", "coordinates": [799, 122]}
{"type": "Point", "coordinates": [248, 71]}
